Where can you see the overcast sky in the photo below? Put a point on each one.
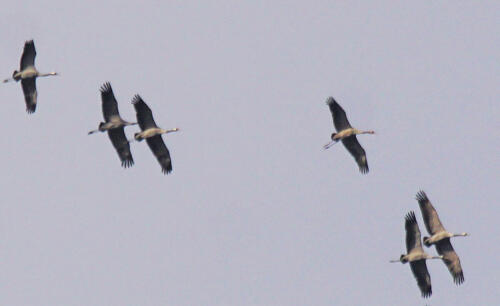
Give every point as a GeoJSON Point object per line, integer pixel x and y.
{"type": "Point", "coordinates": [254, 212]}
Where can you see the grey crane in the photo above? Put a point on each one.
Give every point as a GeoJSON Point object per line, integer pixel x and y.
{"type": "Point", "coordinates": [152, 133]}
{"type": "Point", "coordinates": [27, 75]}
{"type": "Point", "coordinates": [416, 255]}
{"type": "Point", "coordinates": [114, 125]}
{"type": "Point", "coordinates": [440, 237]}
{"type": "Point", "coordinates": [347, 134]}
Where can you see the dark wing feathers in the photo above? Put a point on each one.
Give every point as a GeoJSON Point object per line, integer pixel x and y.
{"type": "Point", "coordinates": [339, 117]}
{"type": "Point", "coordinates": [419, 270]}
{"type": "Point", "coordinates": [429, 214]}
{"type": "Point", "coordinates": [29, 53]}
{"type": "Point", "coordinates": [30, 94]}
{"type": "Point", "coordinates": [160, 150]}
{"type": "Point", "coordinates": [451, 259]}
{"type": "Point", "coordinates": [144, 114]}
{"type": "Point", "coordinates": [412, 232]}
{"type": "Point", "coordinates": [122, 146]}
{"type": "Point", "coordinates": [109, 104]}
{"type": "Point", "coordinates": [352, 145]}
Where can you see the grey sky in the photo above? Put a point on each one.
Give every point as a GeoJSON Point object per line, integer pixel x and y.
{"type": "Point", "coordinates": [255, 212]}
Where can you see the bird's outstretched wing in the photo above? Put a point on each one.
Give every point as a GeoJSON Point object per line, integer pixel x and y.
{"type": "Point", "coordinates": [431, 218]}
{"type": "Point", "coordinates": [352, 145]}
{"type": "Point", "coordinates": [122, 146]}
{"type": "Point", "coordinates": [339, 117]}
{"type": "Point", "coordinates": [413, 240]}
{"type": "Point", "coordinates": [29, 53]}
{"type": "Point", "coordinates": [419, 270]}
{"type": "Point", "coordinates": [451, 259]}
{"type": "Point", "coordinates": [144, 114]}
{"type": "Point", "coordinates": [30, 94]}
{"type": "Point", "coordinates": [109, 104]}
{"type": "Point", "coordinates": [160, 150]}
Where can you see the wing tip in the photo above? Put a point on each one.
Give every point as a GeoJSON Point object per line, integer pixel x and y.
{"type": "Point", "coordinates": [330, 101]}
{"type": "Point", "coordinates": [136, 99]}
{"type": "Point", "coordinates": [459, 278]}
{"type": "Point", "coordinates": [421, 196]}
{"type": "Point", "coordinates": [410, 217]}
{"type": "Point", "coordinates": [166, 170]}
{"type": "Point", "coordinates": [106, 87]}
{"type": "Point", "coordinates": [127, 163]}
{"type": "Point", "coordinates": [364, 169]}
{"type": "Point", "coordinates": [427, 293]}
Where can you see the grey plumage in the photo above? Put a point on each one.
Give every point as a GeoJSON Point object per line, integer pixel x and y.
{"type": "Point", "coordinates": [416, 255]}
{"type": "Point", "coordinates": [27, 74]}
{"type": "Point", "coordinates": [347, 134]}
{"type": "Point", "coordinates": [114, 125]}
{"type": "Point", "coordinates": [443, 244]}
{"type": "Point", "coordinates": [154, 138]}
{"type": "Point", "coordinates": [414, 245]}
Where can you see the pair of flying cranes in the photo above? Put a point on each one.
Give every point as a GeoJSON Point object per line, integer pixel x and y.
{"type": "Point", "coordinates": [114, 125]}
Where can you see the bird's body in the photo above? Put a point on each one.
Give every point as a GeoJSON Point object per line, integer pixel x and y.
{"type": "Point", "coordinates": [27, 75]}
{"type": "Point", "coordinates": [347, 134]}
{"type": "Point", "coordinates": [114, 125]}
{"type": "Point", "coordinates": [440, 237]}
{"type": "Point", "coordinates": [152, 133]}
{"type": "Point", "coordinates": [416, 255]}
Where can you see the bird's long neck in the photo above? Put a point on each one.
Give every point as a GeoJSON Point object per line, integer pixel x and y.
{"type": "Point", "coordinates": [364, 132]}
{"type": "Point", "coordinates": [460, 235]}
{"type": "Point", "coordinates": [169, 131]}
{"type": "Point", "coordinates": [47, 74]}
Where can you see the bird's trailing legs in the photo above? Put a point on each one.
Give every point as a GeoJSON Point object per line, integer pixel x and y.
{"type": "Point", "coordinates": [331, 143]}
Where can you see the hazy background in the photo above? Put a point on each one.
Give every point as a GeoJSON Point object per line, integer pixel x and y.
{"type": "Point", "coordinates": [255, 212]}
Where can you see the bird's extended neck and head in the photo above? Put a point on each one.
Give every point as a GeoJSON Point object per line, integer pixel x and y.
{"type": "Point", "coordinates": [427, 256]}
{"type": "Point", "coordinates": [163, 131]}
{"type": "Point", "coordinates": [357, 132]}
{"type": "Point", "coordinates": [461, 235]}
{"type": "Point", "coordinates": [48, 74]}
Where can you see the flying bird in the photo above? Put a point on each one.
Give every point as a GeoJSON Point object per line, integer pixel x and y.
{"type": "Point", "coordinates": [114, 125]}
{"type": "Point", "coordinates": [347, 134]}
{"type": "Point", "coordinates": [27, 75]}
{"type": "Point", "coordinates": [416, 255]}
{"type": "Point", "coordinates": [440, 237]}
{"type": "Point", "coordinates": [152, 133]}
